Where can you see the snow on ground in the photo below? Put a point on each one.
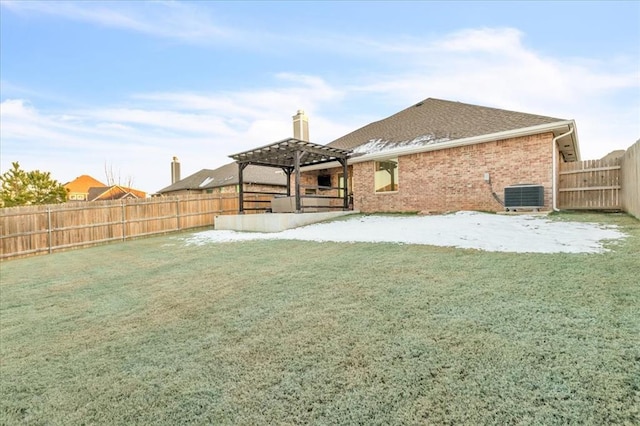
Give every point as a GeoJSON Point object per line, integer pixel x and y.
{"type": "Point", "coordinates": [473, 230]}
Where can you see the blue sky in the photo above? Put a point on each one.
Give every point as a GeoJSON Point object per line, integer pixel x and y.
{"type": "Point", "coordinates": [125, 86]}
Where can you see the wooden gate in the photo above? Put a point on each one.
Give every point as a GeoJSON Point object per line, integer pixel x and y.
{"type": "Point", "coordinates": [590, 185]}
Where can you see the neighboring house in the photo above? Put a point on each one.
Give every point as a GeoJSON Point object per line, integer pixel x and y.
{"type": "Point", "coordinates": [225, 180]}
{"type": "Point", "coordinates": [86, 188]}
{"type": "Point", "coordinates": [114, 192]}
{"type": "Point", "coordinates": [614, 155]}
{"type": "Point", "coordinates": [78, 189]}
{"type": "Point", "coordinates": [438, 156]}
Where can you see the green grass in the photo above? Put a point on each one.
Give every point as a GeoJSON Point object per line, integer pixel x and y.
{"type": "Point", "coordinates": [288, 332]}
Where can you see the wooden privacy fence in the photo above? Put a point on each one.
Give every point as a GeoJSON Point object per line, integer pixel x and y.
{"type": "Point", "coordinates": [31, 230]}
{"type": "Point", "coordinates": [590, 185]}
{"type": "Point", "coordinates": [631, 180]}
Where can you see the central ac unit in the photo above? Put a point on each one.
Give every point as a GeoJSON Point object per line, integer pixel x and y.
{"type": "Point", "coordinates": [524, 196]}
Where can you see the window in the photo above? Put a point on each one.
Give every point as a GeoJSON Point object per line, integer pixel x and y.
{"type": "Point", "coordinates": [324, 180]}
{"type": "Point", "coordinates": [341, 185]}
{"type": "Point", "coordinates": [386, 175]}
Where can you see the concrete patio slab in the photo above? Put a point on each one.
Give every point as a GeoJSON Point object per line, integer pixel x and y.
{"type": "Point", "coordinates": [273, 222]}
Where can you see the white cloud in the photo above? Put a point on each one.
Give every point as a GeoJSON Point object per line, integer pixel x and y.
{"type": "Point", "coordinates": [201, 129]}
{"type": "Point", "coordinates": [487, 40]}
{"type": "Point", "coordinates": [480, 62]}
{"type": "Point", "coordinates": [176, 20]}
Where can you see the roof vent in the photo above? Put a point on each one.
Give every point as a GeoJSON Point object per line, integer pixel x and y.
{"type": "Point", "coordinates": [419, 104]}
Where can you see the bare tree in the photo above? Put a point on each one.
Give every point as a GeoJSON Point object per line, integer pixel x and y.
{"type": "Point", "coordinates": [113, 179]}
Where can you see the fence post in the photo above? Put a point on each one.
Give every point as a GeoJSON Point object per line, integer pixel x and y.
{"type": "Point", "coordinates": [178, 213]}
{"type": "Point", "coordinates": [124, 222]}
{"type": "Point", "coordinates": [49, 234]}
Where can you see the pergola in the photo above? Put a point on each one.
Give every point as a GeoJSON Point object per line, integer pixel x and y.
{"type": "Point", "coordinates": [290, 155]}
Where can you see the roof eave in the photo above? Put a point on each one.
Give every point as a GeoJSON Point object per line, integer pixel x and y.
{"type": "Point", "coordinates": [556, 127]}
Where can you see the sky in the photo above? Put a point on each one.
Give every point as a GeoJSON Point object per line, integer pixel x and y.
{"type": "Point", "coordinates": [116, 89]}
{"type": "Point", "coordinates": [470, 230]}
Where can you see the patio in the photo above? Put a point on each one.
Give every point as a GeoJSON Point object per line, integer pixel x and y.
{"type": "Point", "coordinates": [284, 210]}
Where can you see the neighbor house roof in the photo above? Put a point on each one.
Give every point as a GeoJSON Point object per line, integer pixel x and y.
{"type": "Point", "coordinates": [435, 123]}
{"type": "Point", "coordinates": [614, 154]}
{"type": "Point", "coordinates": [227, 175]}
{"type": "Point", "coordinates": [114, 192]}
{"type": "Point", "coordinates": [82, 184]}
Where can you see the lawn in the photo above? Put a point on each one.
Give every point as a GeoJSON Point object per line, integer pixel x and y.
{"type": "Point", "coordinates": [155, 331]}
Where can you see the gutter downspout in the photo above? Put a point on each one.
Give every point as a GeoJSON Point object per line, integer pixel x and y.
{"type": "Point", "coordinates": [554, 168]}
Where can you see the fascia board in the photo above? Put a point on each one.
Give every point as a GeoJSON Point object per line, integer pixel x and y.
{"type": "Point", "coordinates": [329, 165]}
{"type": "Point", "coordinates": [576, 143]}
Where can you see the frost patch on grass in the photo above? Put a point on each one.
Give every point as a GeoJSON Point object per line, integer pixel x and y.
{"type": "Point", "coordinates": [471, 230]}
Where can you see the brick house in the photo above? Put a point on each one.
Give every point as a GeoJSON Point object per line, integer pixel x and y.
{"type": "Point", "coordinates": [439, 155]}
{"type": "Point", "coordinates": [78, 189]}
{"type": "Point", "coordinates": [224, 179]}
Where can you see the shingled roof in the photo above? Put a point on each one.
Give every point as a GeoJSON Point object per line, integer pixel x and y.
{"type": "Point", "coordinates": [433, 121]}
{"type": "Point", "coordinates": [114, 192]}
{"type": "Point", "coordinates": [83, 183]}
{"type": "Point", "coordinates": [227, 175]}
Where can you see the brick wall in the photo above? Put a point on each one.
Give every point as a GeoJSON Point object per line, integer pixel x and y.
{"type": "Point", "coordinates": [310, 178]}
{"type": "Point", "coordinates": [444, 180]}
{"type": "Point", "coordinates": [453, 179]}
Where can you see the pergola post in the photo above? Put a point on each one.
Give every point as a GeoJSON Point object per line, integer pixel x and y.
{"type": "Point", "coordinates": [345, 180]}
{"type": "Point", "coordinates": [296, 166]}
{"type": "Point", "coordinates": [287, 171]}
{"type": "Point", "coordinates": [241, 167]}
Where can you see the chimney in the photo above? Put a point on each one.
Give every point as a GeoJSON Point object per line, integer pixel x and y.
{"type": "Point", "coordinates": [301, 126]}
{"type": "Point", "coordinates": [175, 170]}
